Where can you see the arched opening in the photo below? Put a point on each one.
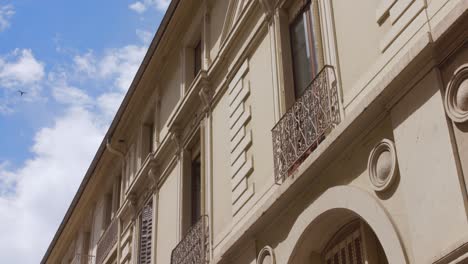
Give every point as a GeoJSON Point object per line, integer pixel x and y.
{"type": "Point", "coordinates": [321, 225]}
{"type": "Point", "coordinates": [354, 243]}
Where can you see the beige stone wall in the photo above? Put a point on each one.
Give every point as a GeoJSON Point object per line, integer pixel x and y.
{"type": "Point", "coordinates": [447, 71]}
{"type": "Point", "coordinates": [428, 171]}
{"type": "Point", "coordinates": [222, 212]}
{"type": "Point", "coordinates": [358, 36]}
{"type": "Point", "coordinates": [168, 217]}
{"type": "Point", "coordinates": [217, 19]}
{"type": "Point", "coordinates": [170, 94]}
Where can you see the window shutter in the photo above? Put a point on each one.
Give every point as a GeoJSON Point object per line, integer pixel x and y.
{"type": "Point", "coordinates": [346, 251]}
{"type": "Point", "coordinates": [146, 233]}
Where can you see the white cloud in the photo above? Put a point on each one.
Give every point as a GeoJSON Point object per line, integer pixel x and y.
{"type": "Point", "coordinates": [109, 102]}
{"type": "Point", "coordinates": [142, 6]}
{"type": "Point", "coordinates": [144, 35]}
{"type": "Point", "coordinates": [85, 63]}
{"type": "Point", "coordinates": [34, 197]}
{"type": "Point", "coordinates": [6, 12]}
{"type": "Point", "coordinates": [7, 180]}
{"type": "Point", "coordinates": [138, 7]}
{"type": "Point", "coordinates": [161, 4]}
{"type": "Point", "coordinates": [45, 185]}
{"type": "Point", "coordinates": [122, 64]}
{"type": "Point", "coordinates": [20, 68]}
{"type": "Point", "coordinates": [71, 96]}
{"type": "Point", "coordinates": [5, 109]}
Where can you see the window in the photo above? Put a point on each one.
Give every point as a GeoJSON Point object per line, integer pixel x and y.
{"type": "Point", "coordinates": [197, 56]}
{"type": "Point", "coordinates": [355, 243]}
{"type": "Point", "coordinates": [195, 190]}
{"type": "Point", "coordinates": [192, 185]}
{"type": "Point", "coordinates": [130, 165]}
{"type": "Point", "coordinates": [147, 140]}
{"type": "Point", "coordinates": [146, 233]}
{"type": "Point", "coordinates": [116, 195]}
{"type": "Point", "coordinates": [306, 47]}
{"type": "Point", "coordinates": [107, 209]}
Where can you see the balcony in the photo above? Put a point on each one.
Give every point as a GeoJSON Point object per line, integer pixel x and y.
{"type": "Point", "coordinates": [306, 124]}
{"type": "Point", "coordinates": [83, 259]}
{"type": "Point", "coordinates": [194, 246]}
{"type": "Point", "coordinates": [107, 242]}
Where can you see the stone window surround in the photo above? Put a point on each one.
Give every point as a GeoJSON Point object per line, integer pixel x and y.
{"type": "Point", "coordinates": [197, 33]}
{"type": "Point", "coordinates": [282, 17]}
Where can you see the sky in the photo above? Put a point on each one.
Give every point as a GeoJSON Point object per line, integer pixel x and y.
{"type": "Point", "coordinates": [75, 60]}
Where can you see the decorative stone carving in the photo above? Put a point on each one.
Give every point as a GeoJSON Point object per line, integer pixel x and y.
{"type": "Point", "coordinates": [176, 137]}
{"type": "Point", "coordinates": [456, 95]}
{"type": "Point", "coordinates": [382, 165]}
{"type": "Point", "coordinates": [153, 174]}
{"type": "Point", "coordinates": [266, 256]}
{"type": "Point", "coordinates": [133, 203]}
{"type": "Point", "coordinates": [206, 94]}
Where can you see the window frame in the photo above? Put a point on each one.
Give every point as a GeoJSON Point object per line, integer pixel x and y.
{"type": "Point", "coordinates": [284, 14]}
{"type": "Point", "coordinates": [306, 13]}
{"type": "Point", "coordinates": [194, 35]}
{"type": "Point", "coordinates": [192, 151]}
{"type": "Point", "coordinates": [195, 189]}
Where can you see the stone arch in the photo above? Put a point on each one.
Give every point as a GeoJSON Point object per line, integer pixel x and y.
{"type": "Point", "coordinates": [340, 204]}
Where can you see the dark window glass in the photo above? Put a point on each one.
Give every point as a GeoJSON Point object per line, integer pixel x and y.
{"type": "Point", "coordinates": [196, 190]}
{"type": "Point", "coordinates": [151, 138]}
{"type": "Point", "coordinates": [306, 47]}
{"type": "Point", "coordinates": [197, 59]}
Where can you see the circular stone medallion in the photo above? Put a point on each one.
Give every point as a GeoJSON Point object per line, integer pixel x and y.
{"type": "Point", "coordinates": [456, 95]}
{"type": "Point", "coordinates": [266, 256]}
{"type": "Point", "coordinates": [382, 165]}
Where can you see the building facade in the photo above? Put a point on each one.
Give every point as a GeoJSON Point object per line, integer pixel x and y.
{"type": "Point", "coordinates": [288, 132]}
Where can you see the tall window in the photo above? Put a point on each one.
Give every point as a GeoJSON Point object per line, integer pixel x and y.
{"type": "Point", "coordinates": [147, 139]}
{"type": "Point", "coordinates": [195, 190]}
{"type": "Point", "coordinates": [130, 165]}
{"type": "Point", "coordinates": [197, 57]}
{"type": "Point", "coordinates": [146, 229]}
{"type": "Point", "coordinates": [306, 46]}
{"type": "Point", "coordinates": [192, 186]}
{"type": "Point", "coordinates": [107, 209]}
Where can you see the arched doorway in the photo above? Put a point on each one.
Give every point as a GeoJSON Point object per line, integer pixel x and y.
{"type": "Point", "coordinates": [320, 226]}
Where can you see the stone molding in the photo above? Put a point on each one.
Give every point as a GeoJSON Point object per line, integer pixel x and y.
{"type": "Point", "coordinates": [456, 95]}
{"type": "Point", "coordinates": [382, 165]}
{"type": "Point", "coordinates": [241, 164]}
{"type": "Point", "coordinates": [266, 251]}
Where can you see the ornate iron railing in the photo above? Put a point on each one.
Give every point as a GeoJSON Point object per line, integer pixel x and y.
{"type": "Point", "coordinates": [83, 259]}
{"type": "Point", "coordinates": [301, 129]}
{"type": "Point", "coordinates": [107, 241]}
{"type": "Point", "coordinates": [193, 248]}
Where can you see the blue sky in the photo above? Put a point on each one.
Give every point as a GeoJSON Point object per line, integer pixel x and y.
{"type": "Point", "coordinates": [75, 61]}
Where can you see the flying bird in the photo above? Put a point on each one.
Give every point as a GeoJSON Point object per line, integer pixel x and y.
{"type": "Point", "coordinates": [21, 92]}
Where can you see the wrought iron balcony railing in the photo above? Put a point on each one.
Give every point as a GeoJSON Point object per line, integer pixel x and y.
{"type": "Point", "coordinates": [107, 241]}
{"type": "Point", "coordinates": [301, 129]}
{"type": "Point", "coordinates": [192, 249]}
{"type": "Point", "coordinates": [83, 259]}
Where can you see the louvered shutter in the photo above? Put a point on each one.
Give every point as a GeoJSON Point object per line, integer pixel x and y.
{"type": "Point", "coordinates": [146, 234]}
{"type": "Point", "coordinates": [347, 251]}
